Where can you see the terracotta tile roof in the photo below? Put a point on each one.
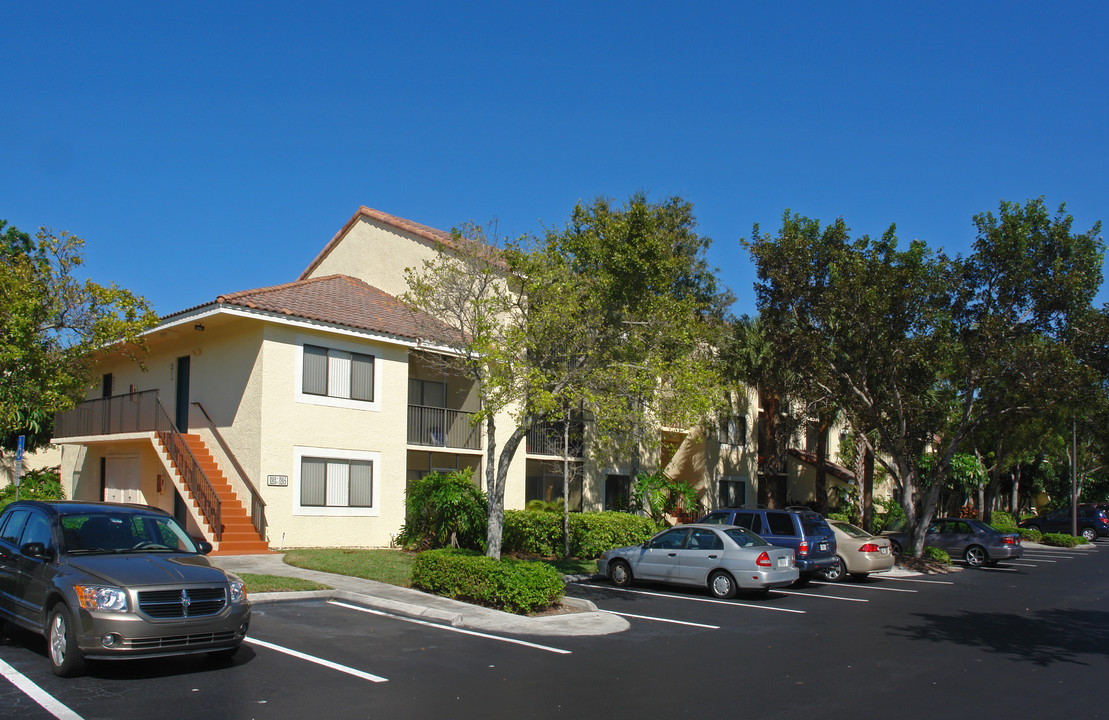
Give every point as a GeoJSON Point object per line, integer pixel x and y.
{"type": "Point", "coordinates": [412, 228]}
{"type": "Point", "coordinates": [342, 300]}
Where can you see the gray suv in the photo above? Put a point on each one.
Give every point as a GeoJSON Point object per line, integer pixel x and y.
{"type": "Point", "coordinates": [114, 581]}
{"type": "Point", "coordinates": [803, 530]}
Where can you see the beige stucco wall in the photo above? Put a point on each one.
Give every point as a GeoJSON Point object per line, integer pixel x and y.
{"type": "Point", "coordinates": [377, 254]}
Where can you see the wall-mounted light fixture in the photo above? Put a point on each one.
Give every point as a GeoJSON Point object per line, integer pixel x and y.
{"type": "Point", "coordinates": [199, 327]}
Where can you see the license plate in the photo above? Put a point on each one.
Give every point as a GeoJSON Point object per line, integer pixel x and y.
{"type": "Point", "coordinates": [824, 547]}
{"type": "Point", "coordinates": [884, 550]}
{"type": "Point", "coordinates": [783, 561]}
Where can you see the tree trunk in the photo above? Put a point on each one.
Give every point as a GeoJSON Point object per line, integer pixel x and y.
{"type": "Point", "coordinates": [495, 532]}
{"type": "Point", "coordinates": [867, 489]}
{"type": "Point", "coordinates": [566, 487]}
{"type": "Point", "coordinates": [821, 461]}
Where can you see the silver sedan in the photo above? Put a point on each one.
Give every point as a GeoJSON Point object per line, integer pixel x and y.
{"type": "Point", "coordinates": [723, 558]}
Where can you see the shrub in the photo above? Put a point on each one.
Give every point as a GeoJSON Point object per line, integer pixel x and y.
{"type": "Point", "coordinates": [507, 584]}
{"type": "Point", "coordinates": [892, 515]}
{"type": "Point", "coordinates": [1030, 534]}
{"type": "Point", "coordinates": [839, 516]}
{"type": "Point", "coordinates": [445, 511]}
{"type": "Point", "coordinates": [591, 533]}
{"type": "Point", "coordinates": [1003, 521]}
{"type": "Point", "coordinates": [532, 533]}
{"type": "Point", "coordinates": [1062, 540]}
{"type": "Point", "coordinates": [43, 484]}
{"type": "Point", "coordinates": [937, 554]}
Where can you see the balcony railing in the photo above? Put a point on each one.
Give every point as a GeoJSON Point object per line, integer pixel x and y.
{"type": "Point", "coordinates": [136, 412]}
{"type": "Point", "coordinates": [548, 439]}
{"type": "Point", "coordinates": [442, 427]}
{"type": "Point", "coordinates": [142, 412]}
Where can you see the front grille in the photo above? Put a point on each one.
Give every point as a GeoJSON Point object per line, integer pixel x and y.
{"type": "Point", "coordinates": [182, 603]}
{"type": "Point", "coordinates": [178, 641]}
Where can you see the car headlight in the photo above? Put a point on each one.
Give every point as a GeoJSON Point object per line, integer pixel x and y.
{"type": "Point", "coordinates": [100, 598]}
{"type": "Point", "coordinates": [238, 591]}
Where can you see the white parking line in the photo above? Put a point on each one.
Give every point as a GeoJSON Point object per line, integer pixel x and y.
{"type": "Point", "coordinates": [47, 701]}
{"type": "Point", "coordinates": [1040, 558]}
{"type": "Point", "coordinates": [665, 620]}
{"type": "Point", "coordinates": [449, 628]}
{"type": "Point", "coordinates": [864, 587]}
{"type": "Point", "coordinates": [1025, 564]}
{"type": "Point", "coordinates": [815, 595]}
{"type": "Point", "coordinates": [318, 661]}
{"type": "Point", "coordinates": [999, 569]}
{"type": "Point", "coordinates": [917, 580]}
{"type": "Point", "coordinates": [694, 599]}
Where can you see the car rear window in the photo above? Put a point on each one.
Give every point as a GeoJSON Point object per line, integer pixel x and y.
{"type": "Point", "coordinates": [814, 525]}
{"type": "Point", "coordinates": [780, 523]}
{"type": "Point", "coordinates": [745, 538]}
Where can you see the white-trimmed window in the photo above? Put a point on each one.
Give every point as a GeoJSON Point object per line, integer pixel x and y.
{"type": "Point", "coordinates": [335, 482]}
{"type": "Point", "coordinates": [337, 374]}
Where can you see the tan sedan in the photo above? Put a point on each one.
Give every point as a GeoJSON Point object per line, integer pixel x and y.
{"type": "Point", "coordinates": [859, 553]}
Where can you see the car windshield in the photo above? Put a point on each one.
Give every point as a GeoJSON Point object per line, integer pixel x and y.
{"type": "Point", "coordinates": [850, 529]}
{"type": "Point", "coordinates": [744, 537]}
{"type": "Point", "coordinates": [113, 532]}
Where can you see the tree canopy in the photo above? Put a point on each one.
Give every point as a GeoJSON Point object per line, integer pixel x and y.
{"type": "Point", "coordinates": [52, 322]}
{"type": "Point", "coordinates": [920, 348]}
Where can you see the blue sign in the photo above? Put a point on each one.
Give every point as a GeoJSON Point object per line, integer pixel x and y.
{"type": "Point", "coordinates": [19, 449]}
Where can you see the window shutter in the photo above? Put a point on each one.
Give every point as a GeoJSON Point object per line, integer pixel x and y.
{"type": "Point", "coordinates": [361, 483]}
{"type": "Point", "coordinates": [312, 481]}
{"type": "Point", "coordinates": [362, 377]}
{"type": "Point", "coordinates": [314, 381]}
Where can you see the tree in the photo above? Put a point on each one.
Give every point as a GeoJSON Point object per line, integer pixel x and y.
{"type": "Point", "coordinates": [919, 348]}
{"type": "Point", "coordinates": [610, 314]}
{"type": "Point", "coordinates": [52, 324]}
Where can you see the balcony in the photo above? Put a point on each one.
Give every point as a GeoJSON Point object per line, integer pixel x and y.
{"type": "Point", "coordinates": [443, 428]}
{"type": "Point", "coordinates": [547, 439]}
{"type": "Point", "coordinates": [135, 412]}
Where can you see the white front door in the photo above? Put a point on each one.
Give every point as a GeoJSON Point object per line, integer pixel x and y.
{"type": "Point", "coordinates": [122, 482]}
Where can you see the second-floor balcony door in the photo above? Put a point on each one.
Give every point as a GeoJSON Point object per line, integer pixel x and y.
{"type": "Point", "coordinates": [182, 411]}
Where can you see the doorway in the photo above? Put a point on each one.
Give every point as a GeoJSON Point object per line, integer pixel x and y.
{"type": "Point", "coordinates": [122, 479]}
{"type": "Point", "coordinates": [182, 418]}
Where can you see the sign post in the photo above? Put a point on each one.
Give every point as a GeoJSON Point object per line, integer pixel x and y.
{"type": "Point", "coordinates": [19, 463]}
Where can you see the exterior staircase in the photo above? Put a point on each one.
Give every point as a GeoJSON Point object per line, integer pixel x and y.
{"type": "Point", "coordinates": [239, 536]}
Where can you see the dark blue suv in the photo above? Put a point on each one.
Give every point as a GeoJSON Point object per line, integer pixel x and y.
{"type": "Point", "coordinates": [804, 531]}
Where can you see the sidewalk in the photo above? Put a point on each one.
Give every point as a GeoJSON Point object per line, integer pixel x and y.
{"type": "Point", "coordinates": [406, 601]}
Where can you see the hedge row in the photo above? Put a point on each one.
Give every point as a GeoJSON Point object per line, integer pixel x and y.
{"type": "Point", "coordinates": [513, 585]}
{"type": "Point", "coordinates": [1030, 534]}
{"type": "Point", "coordinates": [540, 533]}
{"type": "Point", "coordinates": [1062, 540]}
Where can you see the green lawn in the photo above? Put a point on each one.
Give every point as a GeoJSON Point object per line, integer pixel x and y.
{"type": "Point", "coordinates": [392, 566]}
{"type": "Point", "coordinates": [276, 583]}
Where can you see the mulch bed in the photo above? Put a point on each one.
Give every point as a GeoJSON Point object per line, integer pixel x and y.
{"type": "Point", "coordinates": [923, 565]}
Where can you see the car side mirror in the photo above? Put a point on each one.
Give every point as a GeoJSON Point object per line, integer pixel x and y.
{"type": "Point", "coordinates": [37, 550]}
{"type": "Point", "coordinates": [646, 545]}
{"type": "Point", "coordinates": [203, 546]}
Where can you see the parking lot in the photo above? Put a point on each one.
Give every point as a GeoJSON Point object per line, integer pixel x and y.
{"type": "Point", "coordinates": [1028, 637]}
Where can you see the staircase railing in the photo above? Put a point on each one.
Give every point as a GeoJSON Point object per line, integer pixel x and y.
{"type": "Point", "coordinates": [144, 412]}
{"type": "Point", "coordinates": [257, 504]}
{"type": "Point", "coordinates": [190, 471]}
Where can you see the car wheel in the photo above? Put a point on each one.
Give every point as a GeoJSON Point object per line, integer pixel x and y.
{"type": "Point", "coordinates": [722, 585]}
{"type": "Point", "coordinates": [976, 556]}
{"type": "Point", "coordinates": [895, 547]}
{"type": "Point", "coordinates": [620, 573]}
{"type": "Point", "coordinates": [1090, 534]}
{"type": "Point", "coordinates": [66, 659]}
{"type": "Point", "coordinates": [836, 572]}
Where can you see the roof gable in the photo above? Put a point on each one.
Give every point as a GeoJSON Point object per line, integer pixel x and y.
{"type": "Point", "coordinates": [423, 232]}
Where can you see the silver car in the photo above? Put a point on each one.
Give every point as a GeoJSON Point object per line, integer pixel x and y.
{"type": "Point", "coordinates": [114, 581]}
{"type": "Point", "coordinates": [723, 558]}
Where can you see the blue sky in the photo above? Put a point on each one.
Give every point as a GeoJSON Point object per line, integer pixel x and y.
{"type": "Point", "coordinates": [203, 148]}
